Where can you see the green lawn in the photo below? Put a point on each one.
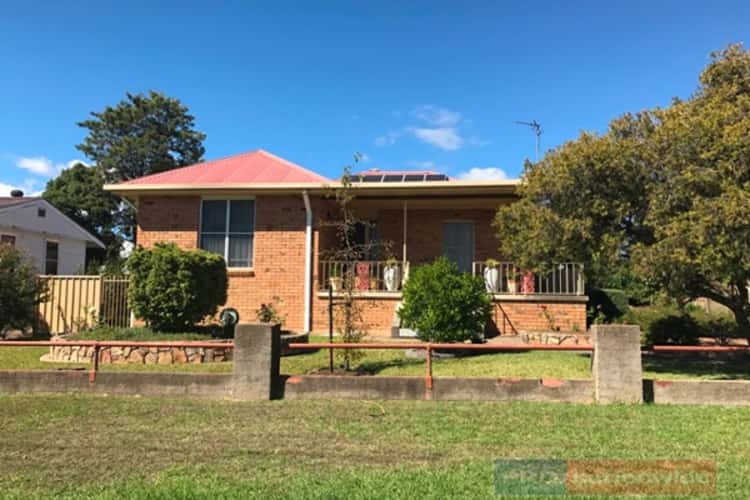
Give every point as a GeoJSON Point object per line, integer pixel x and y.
{"type": "Point", "coordinates": [75, 446]}
{"type": "Point", "coordinates": [532, 364]}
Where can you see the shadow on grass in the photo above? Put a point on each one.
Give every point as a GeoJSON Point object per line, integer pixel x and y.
{"type": "Point", "coordinates": [375, 367]}
{"type": "Point", "coordinates": [718, 366]}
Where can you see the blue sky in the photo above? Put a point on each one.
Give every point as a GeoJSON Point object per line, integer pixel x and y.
{"type": "Point", "coordinates": [409, 84]}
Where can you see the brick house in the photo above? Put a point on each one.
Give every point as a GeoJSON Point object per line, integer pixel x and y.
{"type": "Point", "coordinates": [266, 216]}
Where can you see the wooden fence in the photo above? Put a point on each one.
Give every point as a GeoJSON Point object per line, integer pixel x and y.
{"type": "Point", "coordinates": [75, 303]}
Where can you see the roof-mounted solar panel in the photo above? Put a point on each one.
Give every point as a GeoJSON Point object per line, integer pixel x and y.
{"type": "Point", "coordinates": [436, 177]}
{"type": "Point", "coordinates": [414, 177]}
{"type": "Point", "coordinates": [393, 178]}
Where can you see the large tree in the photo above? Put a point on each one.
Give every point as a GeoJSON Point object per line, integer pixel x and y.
{"type": "Point", "coordinates": [78, 193]}
{"type": "Point", "coordinates": [663, 193]}
{"type": "Point", "coordinates": [141, 135]}
{"type": "Point", "coordinates": [700, 199]}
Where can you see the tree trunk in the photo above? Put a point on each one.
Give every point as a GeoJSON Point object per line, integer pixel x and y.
{"type": "Point", "coordinates": [739, 305]}
{"type": "Point", "coordinates": [743, 322]}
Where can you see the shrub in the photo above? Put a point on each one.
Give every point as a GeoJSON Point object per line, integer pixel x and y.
{"type": "Point", "coordinates": [606, 305]}
{"type": "Point", "coordinates": [669, 324]}
{"type": "Point", "coordinates": [20, 290]}
{"type": "Point", "coordinates": [173, 289]}
{"type": "Point", "coordinates": [443, 305]}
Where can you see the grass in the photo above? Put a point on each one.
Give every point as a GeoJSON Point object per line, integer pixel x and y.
{"type": "Point", "coordinates": [143, 334]}
{"type": "Point", "coordinates": [75, 446]}
{"type": "Point", "coordinates": [531, 364]}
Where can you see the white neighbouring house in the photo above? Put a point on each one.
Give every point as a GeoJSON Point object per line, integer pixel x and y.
{"type": "Point", "coordinates": [55, 243]}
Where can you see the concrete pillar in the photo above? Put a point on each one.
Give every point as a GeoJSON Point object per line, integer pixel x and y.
{"type": "Point", "coordinates": [617, 364]}
{"type": "Point", "coordinates": [257, 354]}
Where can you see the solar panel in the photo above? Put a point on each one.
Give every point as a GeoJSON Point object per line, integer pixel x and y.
{"type": "Point", "coordinates": [399, 177]}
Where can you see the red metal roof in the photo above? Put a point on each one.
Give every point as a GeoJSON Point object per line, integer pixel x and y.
{"type": "Point", "coordinates": [255, 167]}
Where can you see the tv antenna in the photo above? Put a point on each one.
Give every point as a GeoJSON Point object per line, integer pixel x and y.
{"type": "Point", "coordinates": [537, 131]}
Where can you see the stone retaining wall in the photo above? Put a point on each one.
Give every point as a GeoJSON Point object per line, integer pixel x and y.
{"type": "Point", "coordinates": [141, 355]}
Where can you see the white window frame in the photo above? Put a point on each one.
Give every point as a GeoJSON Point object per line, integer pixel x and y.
{"type": "Point", "coordinates": [226, 232]}
{"type": "Point", "coordinates": [46, 256]}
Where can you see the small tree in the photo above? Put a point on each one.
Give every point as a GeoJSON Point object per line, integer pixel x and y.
{"type": "Point", "coordinates": [348, 318]}
{"type": "Point", "coordinates": [173, 289]}
{"type": "Point", "coordinates": [20, 290]}
{"type": "Point", "coordinates": [444, 305]}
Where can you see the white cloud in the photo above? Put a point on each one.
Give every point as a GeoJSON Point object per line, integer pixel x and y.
{"type": "Point", "coordinates": [41, 165]}
{"type": "Point", "coordinates": [388, 139]}
{"type": "Point", "coordinates": [37, 165]}
{"type": "Point", "coordinates": [439, 117]}
{"type": "Point", "coordinates": [483, 174]}
{"type": "Point", "coordinates": [445, 138]}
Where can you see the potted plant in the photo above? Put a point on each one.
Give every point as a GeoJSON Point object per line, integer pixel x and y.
{"type": "Point", "coordinates": [392, 275]}
{"type": "Point", "coordinates": [491, 275]}
{"type": "Point", "coordinates": [511, 282]}
{"type": "Point", "coordinates": [334, 278]}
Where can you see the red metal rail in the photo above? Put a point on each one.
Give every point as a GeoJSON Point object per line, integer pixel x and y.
{"type": "Point", "coordinates": [114, 343]}
{"type": "Point", "coordinates": [429, 347]}
{"type": "Point", "coordinates": [699, 348]}
{"type": "Point", "coordinates": [98, 344]}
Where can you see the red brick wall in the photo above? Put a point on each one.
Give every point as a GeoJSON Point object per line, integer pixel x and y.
{"type": "Point", "coordinates": [528, 316]}
{"type": "Point", "coordinates": [172, 219]}
{"type": "Point", "coordinates": [377, 315]}
{"type": "Point", "coordinates": [279, 258]}
{"type": "Point", "coordinates": [279, 250]}
{"type": "Point", "coordinates": [425, 232]}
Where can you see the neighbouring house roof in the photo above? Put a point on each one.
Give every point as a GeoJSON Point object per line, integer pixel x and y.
{"type": "Point", "coordinates": [9, 201]}
{"type": "Point", "coordinates": [11, 214]}
{"type": "Point", "coordinates": [261, 171]}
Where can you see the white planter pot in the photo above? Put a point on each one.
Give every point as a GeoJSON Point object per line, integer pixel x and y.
{"type": "Point", "coordinates": [491, 278]}
{"type": "Point", "coordinates": [512, 286]}
{"type": "Point", "coordinates": [392, 278]}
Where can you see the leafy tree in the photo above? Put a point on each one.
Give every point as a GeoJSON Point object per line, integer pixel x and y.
{"type": "Point", "coordinates": [141, 135]}
{"type": "Point", "coordinates": [583, 202]}
{"type": "Point", "coordinates": [20, 289]}
{"type": "Point", "coordinates": [661, 197]}
{"type": "Point", "coordinates": [78, 193]}
{"type": "Point", "coordinates": [700, 200]}
{"type": "Point", "coordinates": [444, 305]}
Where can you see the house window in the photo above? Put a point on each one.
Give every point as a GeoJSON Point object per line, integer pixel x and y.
{"type": "Point", "coordinates": [7, 239]}
{"type": "Point", "coordinates": [41, 212]}
{"type": "Point", "coordinates": [227, 228]}
{"type": "Point", "coordinates": [50, 258]}
{"type": "Point", "coordinates": [458, 244]}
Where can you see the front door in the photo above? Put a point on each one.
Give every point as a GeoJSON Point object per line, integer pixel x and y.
{"type": "Point", "coordinates": [458, 244]}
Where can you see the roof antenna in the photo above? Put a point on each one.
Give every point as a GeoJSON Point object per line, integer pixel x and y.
{"type": "Point", "coordinates": [537, 131]}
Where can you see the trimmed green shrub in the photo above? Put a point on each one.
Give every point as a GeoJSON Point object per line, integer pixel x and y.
{"type": "Point", "coordinates": [20, 290]}
{"type": "Point", "coordinates": [680, 329]}
{"type": "Point", "coordinates": [444, 305]}
{"type": "Point", "coordinates": [173, 289]}
{"type": "Point", "coordinates": [606, 305]}
{"type": "Point", "coordinates": [669, 324]}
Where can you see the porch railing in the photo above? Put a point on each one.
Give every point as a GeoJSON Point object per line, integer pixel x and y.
{"type": "Point", "coordinates": [364, 275]}
{"type": "Point", "coordinates": [564, 279]}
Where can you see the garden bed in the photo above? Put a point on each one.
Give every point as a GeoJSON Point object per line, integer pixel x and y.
{"type": "Point", "coordinates": [66, 353]}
